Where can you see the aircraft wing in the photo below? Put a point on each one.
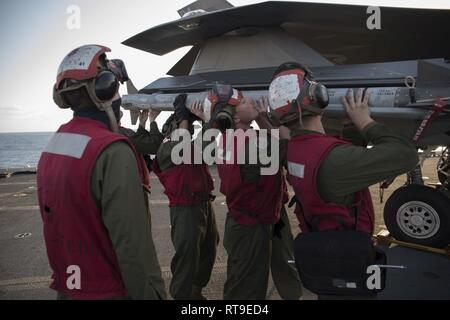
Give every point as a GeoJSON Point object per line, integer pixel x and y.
{"type": "Point", "coordinates": [338, 32]}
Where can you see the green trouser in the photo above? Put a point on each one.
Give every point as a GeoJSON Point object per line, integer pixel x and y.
{"type": "Point", "coordinates": [195, 239]}
{"type": "Point", "coordinates": [284, 274]}
{"type": "Point", "coordinates": [249, 250]}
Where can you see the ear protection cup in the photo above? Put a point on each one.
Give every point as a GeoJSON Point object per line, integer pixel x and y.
{"type": "Point", "coordinates": [106, 86]}
{"type": "Point", "coordinates": [321, 96]}
{"type": "Point", "coordinates": [165, 128]}
{"type": "Point", "coordinates": [316, 92]}
{"type": "Point", "coordinates": [224, 116]}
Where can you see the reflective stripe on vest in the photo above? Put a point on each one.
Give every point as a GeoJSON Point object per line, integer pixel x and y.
{"type": "Point", "coordinates": [296, 169]}
{"type": "Point", "coordinates": [67, 144]}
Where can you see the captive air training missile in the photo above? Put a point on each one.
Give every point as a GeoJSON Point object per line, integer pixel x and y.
{"type": "Point", "coordinates": [383, 100]}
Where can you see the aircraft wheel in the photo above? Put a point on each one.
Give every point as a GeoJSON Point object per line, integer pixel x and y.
{"type": "Point", "coordinates": [419, 214]}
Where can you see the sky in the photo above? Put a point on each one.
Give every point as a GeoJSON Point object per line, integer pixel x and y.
{"type": "Point", "coordinates": [35, 38]}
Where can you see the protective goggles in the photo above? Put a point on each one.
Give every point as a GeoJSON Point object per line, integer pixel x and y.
{"type": "Point", "coordinates": [117, 67]}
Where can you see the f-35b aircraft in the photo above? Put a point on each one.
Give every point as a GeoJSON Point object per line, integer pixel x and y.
{"type": "Point", "coordinates": [405, 61]}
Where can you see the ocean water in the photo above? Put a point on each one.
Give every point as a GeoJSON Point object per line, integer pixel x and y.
{"type": "Point", "coordinates": [22, 150]}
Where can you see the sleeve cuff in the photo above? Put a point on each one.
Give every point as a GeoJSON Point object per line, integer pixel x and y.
{"type": "Point", "coordinates": [367, 132]}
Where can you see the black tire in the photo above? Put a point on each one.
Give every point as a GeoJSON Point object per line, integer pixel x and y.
{"type": "Point", "coordinates": [419, 214]}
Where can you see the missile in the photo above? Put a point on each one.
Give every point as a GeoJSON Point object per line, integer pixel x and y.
{"type": "Point", "coordinates": [383, 100]}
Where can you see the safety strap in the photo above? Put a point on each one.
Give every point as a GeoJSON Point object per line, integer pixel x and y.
{"type": "Point", "coordinates": [439, 105]}
{"type": "Point", "coordinates": [312, 225]}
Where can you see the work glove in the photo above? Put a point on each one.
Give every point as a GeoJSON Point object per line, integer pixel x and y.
{"type": "Point", "coordinates": [181, 112]}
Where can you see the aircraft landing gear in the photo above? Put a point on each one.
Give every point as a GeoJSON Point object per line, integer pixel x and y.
{"type": "Point", "coordinates": [443, 169]}
{"type": "Point", "coordinates": [419, 214]}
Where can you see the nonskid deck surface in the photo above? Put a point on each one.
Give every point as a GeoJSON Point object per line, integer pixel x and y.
{"type": "Point", "coordinates": [25, 274]}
